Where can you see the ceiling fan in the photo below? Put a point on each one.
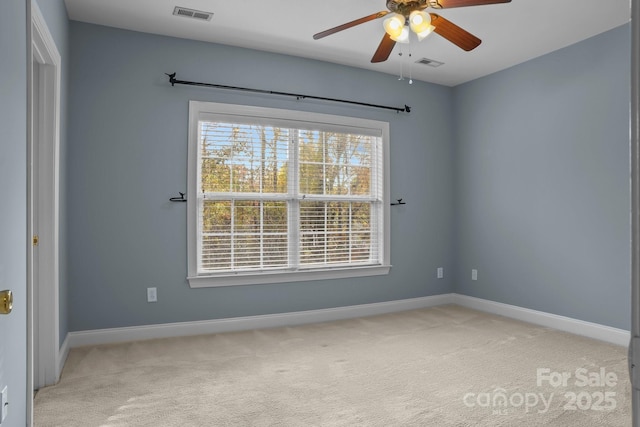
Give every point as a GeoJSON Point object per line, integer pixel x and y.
{"type": "Point", "coordinates": [410, 13]}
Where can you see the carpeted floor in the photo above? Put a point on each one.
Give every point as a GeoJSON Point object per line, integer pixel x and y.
{"type": "Point", "coordinates": [443, 366]}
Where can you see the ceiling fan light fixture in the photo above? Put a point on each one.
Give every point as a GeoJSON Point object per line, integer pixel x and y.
{"type": "Point", "coordinates": [403, 37]}
{"type": "Point", "coordinates": [421, 35]}
{"type": "Point", "coordinates": [394, 25]}
{"type": "Point", "coordinates": [420, 21]}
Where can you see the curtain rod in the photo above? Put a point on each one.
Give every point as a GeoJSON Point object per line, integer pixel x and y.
{"type": "Point", "coordinates": [174, 81]}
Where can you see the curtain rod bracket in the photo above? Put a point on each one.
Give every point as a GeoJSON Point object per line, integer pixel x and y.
{"type": "Point", "coordinates": [178, 199]}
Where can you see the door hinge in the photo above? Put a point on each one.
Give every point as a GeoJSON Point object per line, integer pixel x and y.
{"type": "Point", "coordinates": [634, 362]}
{"type": "Point", "coordinates": [36, 239]}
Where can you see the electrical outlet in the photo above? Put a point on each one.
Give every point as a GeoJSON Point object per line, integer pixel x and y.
{"type": "Point", "coordinates": [4, 404]}
{"type": "Point", "coordinates": [440, 272]}
{"type": "Point", "coordinates": [474, 274]}
{"type": "Point", "coordinates": [152, 294]}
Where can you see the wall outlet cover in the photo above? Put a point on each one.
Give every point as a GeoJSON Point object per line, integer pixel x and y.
{"type": "Point", "coordinates": [152, 294]}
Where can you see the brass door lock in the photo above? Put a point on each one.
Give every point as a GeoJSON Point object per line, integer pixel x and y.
{"type": "Point", "coordinates": [6, 302]}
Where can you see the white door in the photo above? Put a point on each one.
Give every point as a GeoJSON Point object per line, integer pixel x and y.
{"type": "Point", "coordinates": [634, 349]}
{"type": "Point", "coordinates": [44, 199]}
{"type": "Point", "coordinates": [13, 209]}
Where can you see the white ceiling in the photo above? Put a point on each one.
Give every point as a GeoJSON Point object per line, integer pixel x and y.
{"type": "Point", "coordinates": [511, 33]}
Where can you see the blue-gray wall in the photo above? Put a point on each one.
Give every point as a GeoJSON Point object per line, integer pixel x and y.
{"type": "Point", "coordinates": [522, 174]}
{"type": "Point", "coordinates": [542, 182]}
{"type": "Point", "coordinates": [54, 13]}
{"type": "Point", "coordinates": [13, 208]}
{"type": "Point", "coordinates": [127, 156]}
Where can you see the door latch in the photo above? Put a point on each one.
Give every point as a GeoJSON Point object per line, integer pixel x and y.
{"type": "Point", "coordinates": [6, 302]}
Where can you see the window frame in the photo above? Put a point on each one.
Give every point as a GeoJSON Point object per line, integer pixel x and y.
{"type": "Point", "coordinates": [199, 110]}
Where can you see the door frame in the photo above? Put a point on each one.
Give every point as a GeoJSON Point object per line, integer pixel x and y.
{"type": "Point", "coordinates": [43, 213]}
{"type": "Point", "coordinates": [634, 347]}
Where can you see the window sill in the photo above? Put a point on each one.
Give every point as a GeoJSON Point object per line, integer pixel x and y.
{"type": "Point", "coordinates": [260, 278]}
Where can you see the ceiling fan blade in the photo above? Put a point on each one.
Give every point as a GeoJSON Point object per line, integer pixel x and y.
{"type": "Point", "coordinates": [350, 24]}
{"type": "Point", "coordinates": [384, 49]}
{"type": "Point", "coordinates": [448, 4]}
{"type": "Point", "coordinates": [456, 35]}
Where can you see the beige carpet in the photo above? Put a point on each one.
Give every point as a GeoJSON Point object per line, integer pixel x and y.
{"type": "Point", "coordinates": [444, 366]}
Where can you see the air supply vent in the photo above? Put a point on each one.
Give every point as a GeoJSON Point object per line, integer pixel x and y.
{"type": "Point", "coordinates": [190, 13]}
{"type": "Point", "coordinates": [429, 62]}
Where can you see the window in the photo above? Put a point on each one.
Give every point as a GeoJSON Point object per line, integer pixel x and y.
{"type": "Point", "coordinates": [279, 196]}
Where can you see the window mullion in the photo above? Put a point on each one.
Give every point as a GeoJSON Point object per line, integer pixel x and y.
{"type": "Point", "coordinates": [231, 169]}
{"type": "Point", "coordinates": [324, 163]}
{"type": "Point", "coordinates": [261, 233]}
{"type": "Point", "coordinates": [350, 232]}
{"type": "Point", "coordinates": [324, 192]}
{"type": "Point", "coordinates": [232, 234]}
{"type": "Point", "coordinates": [294, 204]}
{"type": "Point", "coordinates": [326, 231]}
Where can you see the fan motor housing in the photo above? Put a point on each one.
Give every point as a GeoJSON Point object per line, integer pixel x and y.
{"type": "Point", "coordinates": [405, 7]}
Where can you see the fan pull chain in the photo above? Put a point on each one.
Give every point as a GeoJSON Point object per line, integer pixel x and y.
{"type": "Point", "coordinates": [402, 61]}
{"type": "Point", "coordinates": [401, 65]}
{"type": "Point", "coordinates": [410, 61]}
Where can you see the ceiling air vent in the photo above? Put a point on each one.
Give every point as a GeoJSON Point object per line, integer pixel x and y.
{"type": "Point", "coordinates": [429, 62]}
{"type": "Point", "coordinates": [190, 13]}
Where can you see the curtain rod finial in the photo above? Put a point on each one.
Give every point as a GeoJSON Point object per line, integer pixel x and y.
{"type": "Point", "coordinates": [172, 78]}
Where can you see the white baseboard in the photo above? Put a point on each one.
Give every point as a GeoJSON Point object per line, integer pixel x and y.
{"type": "Point", "coordinates": [566, 324]}
{"type": "Point", "coordinates": [61, 357]}
{"type": "Point", "coordinates": [166, 330]}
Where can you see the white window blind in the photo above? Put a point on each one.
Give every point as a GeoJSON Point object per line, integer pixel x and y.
{"type": "Point", "coordinates": [242, 214]}
{"type": "Point", "coordinates": [279, 195]}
